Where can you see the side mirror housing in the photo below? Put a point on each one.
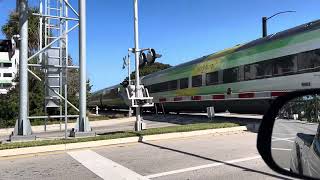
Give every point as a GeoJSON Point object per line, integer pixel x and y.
{"type": "Point", "coordinates": [288, 138]}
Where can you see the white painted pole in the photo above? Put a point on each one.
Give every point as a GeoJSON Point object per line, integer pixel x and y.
{"type": "Point", "coordinates": [129, 69]}
{"type": "Point", "coordinates": [82, 56]}
{"type": "Point", "coordinates": [66, 77]}
{"type": "Point", "coordinates": [136, 52]}
{"type": "Point", "coordinates": [40, 28]}
{"type": "Point", "coordinates": [129, 81]}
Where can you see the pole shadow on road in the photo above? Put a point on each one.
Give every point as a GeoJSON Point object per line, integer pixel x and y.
{"type": "Point", "coordinates": [213, 160]}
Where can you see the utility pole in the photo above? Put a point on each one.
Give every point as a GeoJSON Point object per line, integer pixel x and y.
{"type": "Point", "coordinates": [82, 125]}
{"type": "Point", "coordinates": [82, 56]}
{"type": "Point", "coordinates": [66, 77]}
{"type": "Point", "coordinates": [23, 120]}
{"type": "Point", "coordinates": [22, 128]}
{"type": "Point", "coordinates": [265, 19]}
{"type": "Point", "coordinates": [141, 96]}
{"type": "Point", "coordinates": [138, 122]}
{"type": "Point", "coordinates": [83, 122]}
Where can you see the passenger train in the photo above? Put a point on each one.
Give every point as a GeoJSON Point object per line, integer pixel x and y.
{"type": "Point", "coordinates": [242, 79]}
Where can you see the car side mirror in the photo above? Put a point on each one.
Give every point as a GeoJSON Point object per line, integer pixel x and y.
{"type": "Point", "coordinates": [288, 138]}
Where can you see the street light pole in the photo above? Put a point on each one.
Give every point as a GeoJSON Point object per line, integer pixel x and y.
{"type": "Point", "coordinates": [265, 19]}
{"type": "Point", "coordinates": [136, 53]}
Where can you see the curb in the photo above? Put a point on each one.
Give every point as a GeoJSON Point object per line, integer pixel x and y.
{"type": "Point", "coordinates": [91, 144]}
{"type": "Point", "coordinates": [56, 127]}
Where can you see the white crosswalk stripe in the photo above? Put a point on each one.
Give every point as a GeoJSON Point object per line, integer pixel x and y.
{"type": "Point", "coordinates": [103, 167]}
{"type": "Point", "coordinates": [203, 166]}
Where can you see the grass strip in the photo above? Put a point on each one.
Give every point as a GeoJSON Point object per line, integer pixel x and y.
{"type": "Point", "coordinates": [121, 134]}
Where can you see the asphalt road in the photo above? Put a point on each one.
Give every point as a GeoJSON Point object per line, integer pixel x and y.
{"type": "Point", "coordinates": [283, 136]}
{"type": "Point", "coordinates": [232, 156]}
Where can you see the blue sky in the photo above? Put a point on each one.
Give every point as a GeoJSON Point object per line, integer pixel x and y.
{"type": "Point", "coordinates": [180, 30]}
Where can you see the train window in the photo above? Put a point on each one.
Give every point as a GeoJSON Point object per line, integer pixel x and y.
{"type": "Point", "coordinates": [164, 86]}
{"type": "Point", "coordinates": [230, 75]}
{"type": "Point", "coordinates": [155, 88]}
{"type": "Point", "coordinates": [6, 85]}
{"type": "Point", "coordinates": [7, 64]}
{"type": "Point", "coordinates": [197, 81]}
{"type": "Point", "coordinates": [308, 61]}
{"type": "Point", "coordinates": [262, 69]}
{"type": "Point", "coordinates": [94, 97]}
{"type": "Point", "coordinates": [113, 91]}
{"type": "Point", "coordinates": [212, 78]}
{"type": "Point", "coordinates": [172, 85]}
{"type": "Point", "coordinates": [257, 70]}
{"type": "Point", "coordinates": [7, 74]}
{"type": "Point", "coordinates": [184, 83]}
{"type": "Point", "coordinates": [149, 88]}
{"type": "Point", "coordinates": [98, 96]}
{"type": "Point", "coordinates": [152, 88]}
{"type": "Point", "coordinates": [249, 72]}
{"type": "Point", "coordinates": [284, 65]}
{"type": "Point", "coordinates": [241, 73]}
{"type": "Point", "coordinates": [159, 87]}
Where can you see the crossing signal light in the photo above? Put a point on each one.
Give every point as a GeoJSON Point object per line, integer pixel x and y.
{"type": "Point", "coordinates": [152, 56]}
{"type": "Point", "coordinates": [142, 59]}
{"type": "Point", "coordinates": [148, 58]}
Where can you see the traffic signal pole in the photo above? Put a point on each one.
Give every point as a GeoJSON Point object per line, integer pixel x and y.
{"type": "Point", "coordinates": [138, 123]}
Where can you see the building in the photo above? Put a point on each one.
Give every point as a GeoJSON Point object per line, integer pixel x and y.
{"type": "Point", "coordinates": [9, 64]}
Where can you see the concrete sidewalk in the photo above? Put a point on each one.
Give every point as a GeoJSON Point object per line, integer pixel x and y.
{"type": "Point", "coordinates": [56, 127]}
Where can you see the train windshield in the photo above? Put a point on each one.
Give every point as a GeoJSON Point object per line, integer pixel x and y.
{"type": "Point", "coordinates": [5, 45]}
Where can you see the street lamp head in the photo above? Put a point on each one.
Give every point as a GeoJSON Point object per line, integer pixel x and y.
{"type": "Point", "coordinates": [264, 21]}
{"type": "Point", "coordinates": [281, 12]}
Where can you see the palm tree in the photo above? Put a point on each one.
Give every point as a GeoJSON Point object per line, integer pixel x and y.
{"type": "Point", "coordinates": [36, 90]}
{"type": "Point", "coordinates": [12, 28]}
